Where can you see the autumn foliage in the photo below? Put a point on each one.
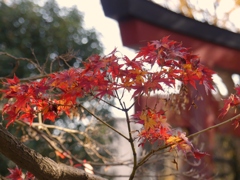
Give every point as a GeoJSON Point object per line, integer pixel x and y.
{"type": "Point", "coordinates": [157, 68]}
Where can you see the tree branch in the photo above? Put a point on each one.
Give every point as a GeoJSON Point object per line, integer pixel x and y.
{"type": "Point", "coordinates": [22, 59]}
{"type": "Point", "coordinates": [42, 167]}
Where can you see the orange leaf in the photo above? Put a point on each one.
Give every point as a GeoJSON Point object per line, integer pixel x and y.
{"type": "Point", "coordinates": [59, 154]}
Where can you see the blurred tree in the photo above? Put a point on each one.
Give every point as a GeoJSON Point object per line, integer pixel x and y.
{"type": "Point", "coordinates": [48, 30]}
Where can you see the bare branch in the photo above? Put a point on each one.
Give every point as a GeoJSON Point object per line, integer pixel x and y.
{"type": "Point", "coordinates": [103, 122]}
{"type": "Point", "coordinates": [22, 59]}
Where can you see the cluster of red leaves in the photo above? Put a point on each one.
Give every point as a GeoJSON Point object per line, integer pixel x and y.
{"type": "Point", "coordinates": [159, 64]}
{"type": "Point", "coordinates": [156, 129]}
{"type": "Point", "coordinates": [16, 174]}
{"type": "Point", "coordinates": [232, 101]}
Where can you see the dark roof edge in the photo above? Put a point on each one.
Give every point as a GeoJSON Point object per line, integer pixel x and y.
{"type": "Point", "coordinates": [157, 15]}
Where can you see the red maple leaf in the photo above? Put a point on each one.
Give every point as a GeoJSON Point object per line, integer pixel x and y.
{"type": "Point", "coordinates": [15, 174]}
{"type": "Point", "coordinates": [149, 50]}
{"type": "Point", "coordinates": [60, 154]}
{"type": "Point", "coordinates": [232, 101]}
{"type": "Point", "coordinates": [237, 90]}
{"type": "Point", "coordinates": [198, 154]}
{"type": "Point", "coordinates": [29, 176]}
{"type": "Point", "coordinates": [13, 81]}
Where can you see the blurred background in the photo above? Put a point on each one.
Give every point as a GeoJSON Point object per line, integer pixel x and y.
{"type": "Point", "coordinates": [47, 29]}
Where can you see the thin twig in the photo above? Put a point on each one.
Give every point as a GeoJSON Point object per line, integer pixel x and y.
{"type": "Point", "coordinates": [214, 126]}
{"type": "Point", "coordinates": [106, 124]}
{"type": "Point", "coordinates": [73, 131]}
{"type": "Point", "coordinates": [106, 102]}
{"type": "Point", "coordinates": [21, 59]}
{"type": "Point", "coordinates": [14, 69]}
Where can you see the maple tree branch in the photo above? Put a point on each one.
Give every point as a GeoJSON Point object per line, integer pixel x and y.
{"type": "Point", "coordinates": [106, 124]}
{"type": "Point", "coordinates": [130, 136]}
{"type": "Point", "coordinates": [22, 59]}
{"type": "Point", "coordinates": [62, 149]}
{"type": "Point", "coordinates": [130, 140]}
{"type": "Point", "coordinates": [106, 102]}
{"type": "Point", "coordinates": [132, 146]}
{"type": "Point", "coordinates": [42, 167]}
{"type": "Point", "coordinates": [152, 152]}
{"type": "Point", "coordinates": [72, 131]}
{"type": "Point", "coordinates": [59, 128]}
{"type": "Point", "coordinates": [54, 145]}
{"type": "Point", "coordinates": [93, 149]}
{"type": "Point", "coordinates": [14, 69]}
{"type": "Point", "coordinates": [29, 78]}
{"type": "Point", "coordinates": [213, 127]}
{"type": "Point", "coordinates": [47, 137]}
{"type": "Point", "coordinates": [130, 107]}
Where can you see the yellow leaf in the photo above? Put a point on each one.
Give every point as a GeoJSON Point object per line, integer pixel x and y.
{"type": "Point", "coordinates": [149, 121]}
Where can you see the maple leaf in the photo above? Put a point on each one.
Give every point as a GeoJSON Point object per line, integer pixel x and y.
{"type": "Point", "coordinates": [151, 119]}
{"type": "Point", "coordinates": [15, 174]}
{"type": "Point", "coordinates": [157, 134]}
{"type": "Point", "coordinates": [147, 51]}
{"type": "Point", "coordinates": [27, 117]}
{"type": "Point", "coordinates": [148, 119]}
{"type": "Point", "coordinates": [21, 102]}
{"type": "Point", "coordinates": [115, 69]}
{"type": "Point", "coordinates": [60, 154]}
{"type": "Point", "coordinates": [11, 113]}
{"type": "Point", "coordinates": [134, 64]}
{"type": "Point", "coordinates": [50, 115]}
{"type": "Point", "coordinates": [105, 92]}
{"type": "Point", "coordinates": [198, 154]}
{"type": "Point", "coordinates": [207, 78]}
{"type": "Point", "coordinates": [39, 88]}
{"type": "Point", "coordinates": [173, 140]}
{"type": "Point", "coordinates": [237, 90]}
{"type": "Point", "coordinates": [29, 176]}
{"type": "Point", "coordinates": [181, 142]}
{"type": "Point", "coordinates": [236, 123]}
{"type": "Point", "coordinates": [13, 81]}
{"type": "Point", "coordinates": [65, 79]}
{"type": "Point", "coordinates": [232, 101]}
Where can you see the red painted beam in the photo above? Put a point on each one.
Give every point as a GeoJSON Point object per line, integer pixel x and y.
{"type": "Point", "coordinates": [136, 33]}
